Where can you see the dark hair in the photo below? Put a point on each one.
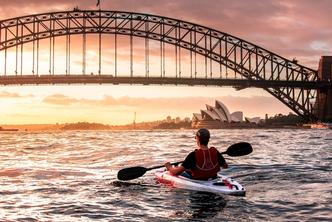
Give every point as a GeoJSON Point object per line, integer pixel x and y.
{"type": "Point", "coordinates": [204, 136]}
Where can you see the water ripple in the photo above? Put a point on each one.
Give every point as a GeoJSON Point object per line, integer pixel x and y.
{"type": "Point", "coordinates": [71, 176]}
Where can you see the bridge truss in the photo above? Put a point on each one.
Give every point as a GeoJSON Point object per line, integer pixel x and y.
{"type": "Point", "coordinates": [210, 57]}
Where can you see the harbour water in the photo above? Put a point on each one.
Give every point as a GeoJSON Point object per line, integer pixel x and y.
{"type": "Point", "coordinates": [71, 176]}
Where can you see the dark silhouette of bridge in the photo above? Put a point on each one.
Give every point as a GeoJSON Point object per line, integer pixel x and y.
{"type": "Point", "coordinates": [200, 56]}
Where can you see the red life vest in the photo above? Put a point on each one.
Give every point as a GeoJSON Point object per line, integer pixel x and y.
{"type": "Point", "coordinates": [207, 165]}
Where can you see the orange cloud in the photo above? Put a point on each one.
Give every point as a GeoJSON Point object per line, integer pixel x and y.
{"type": "Point", "coordinates": [5, 94]}
{"type": "Point", "coordinates": [251, 106]}
{"type": "Point", "coordinates": [59, 99]}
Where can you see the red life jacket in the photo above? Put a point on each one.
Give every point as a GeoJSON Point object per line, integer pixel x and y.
{"type": "Point", "coordinates": [207, 165]}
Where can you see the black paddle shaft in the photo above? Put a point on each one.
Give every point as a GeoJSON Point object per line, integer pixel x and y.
{"type": "Point", "coordinates": [131, 173]}
{"type": "Point", "coordinates": [237, 149]}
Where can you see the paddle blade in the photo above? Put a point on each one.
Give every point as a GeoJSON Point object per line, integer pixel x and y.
{"type": "Point", "coordinates": [239, 149]}
{"type": "Point", "coordinates": [131, 173]}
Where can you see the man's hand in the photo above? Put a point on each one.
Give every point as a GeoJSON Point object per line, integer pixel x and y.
{"type": "Point", "coordinates": [168, 165]}
{"type": "Point", "coordinates": [175, 170]}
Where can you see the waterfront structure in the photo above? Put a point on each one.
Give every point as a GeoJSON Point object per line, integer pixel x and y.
{"type": "Point", "coordinates": [231, 61]}
{"type": "Point", "coordinates": [3, 129]}
{"type": "Point", "coordinates": [253, 120]}
{"type": "Point", "coordinates": [218, 116]}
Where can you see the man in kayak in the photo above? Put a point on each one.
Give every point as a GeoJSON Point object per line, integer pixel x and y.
{"type": "Point", "coordinates": [201, 164]}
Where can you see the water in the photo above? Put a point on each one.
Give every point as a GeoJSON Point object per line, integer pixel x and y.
{"type": "Point", "coordinates": [71, 176]}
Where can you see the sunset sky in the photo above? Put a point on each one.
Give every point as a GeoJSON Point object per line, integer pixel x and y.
{"type": "Point", "coordinates": [300, 29]}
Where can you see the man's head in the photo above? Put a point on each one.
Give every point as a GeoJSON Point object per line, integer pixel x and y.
{"type": "Point", "coordinates": [203, 136]}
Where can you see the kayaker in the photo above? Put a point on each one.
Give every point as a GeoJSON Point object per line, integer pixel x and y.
{"type": "Point", "coordinates": [201, 164]}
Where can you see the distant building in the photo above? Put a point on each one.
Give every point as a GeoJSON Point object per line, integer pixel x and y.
{"type": "Point", "coordinates": [168, 119]}
{"type": "Point", "coordinates": [218, 117]}
{"type": "Point", "coordinates": [187, 120]}
{"type": "Point", "coordinates": [253, 120]}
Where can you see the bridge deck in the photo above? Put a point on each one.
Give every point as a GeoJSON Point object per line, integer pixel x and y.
{"type": "Point", "coordinates": [110, 79]}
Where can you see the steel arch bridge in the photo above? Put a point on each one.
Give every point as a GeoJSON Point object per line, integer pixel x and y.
{"type": "Point", "coordinates": [225, 59]}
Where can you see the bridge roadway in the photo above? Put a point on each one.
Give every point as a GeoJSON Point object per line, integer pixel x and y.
{"type": "Point", "coordinates": [110, 79]}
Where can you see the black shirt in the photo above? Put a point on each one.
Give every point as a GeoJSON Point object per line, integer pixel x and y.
{"type": "Point", "coordinates": [190, 161]}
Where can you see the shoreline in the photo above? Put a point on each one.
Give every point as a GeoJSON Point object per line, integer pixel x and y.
{"type": "Point", "coordinates": [131, 127]}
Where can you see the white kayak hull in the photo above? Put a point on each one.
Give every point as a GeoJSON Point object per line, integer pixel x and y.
{"type": "Point", "coordinates": [220, 185]}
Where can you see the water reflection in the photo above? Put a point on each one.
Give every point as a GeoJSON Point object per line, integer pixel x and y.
{"type": "Point", "coordinates": [204, 205]}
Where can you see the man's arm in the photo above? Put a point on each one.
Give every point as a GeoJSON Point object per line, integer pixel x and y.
{"type": "Point", "coordinates": [222, 161]}
{"type": "Point", "coordinates": [188, 163]}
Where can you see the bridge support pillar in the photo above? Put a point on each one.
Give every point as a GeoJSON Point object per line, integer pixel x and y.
{"type": "Point", "coordinates": [324, 96]}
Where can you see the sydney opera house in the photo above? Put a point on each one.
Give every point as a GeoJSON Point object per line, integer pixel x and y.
{"type": "Point", "coordinates": [219, 117]}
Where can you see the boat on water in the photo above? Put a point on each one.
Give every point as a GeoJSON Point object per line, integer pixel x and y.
{"type": "Point", "coordinates": [4, 129]}
{"type": "Point", "coordinates": [220, 185]}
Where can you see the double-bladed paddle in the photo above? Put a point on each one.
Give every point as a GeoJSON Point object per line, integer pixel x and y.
{"type": "Point", "coordinates": [237, 149]}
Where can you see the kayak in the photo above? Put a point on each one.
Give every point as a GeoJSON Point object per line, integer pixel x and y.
{"type": "Point", "coordinates": [221, 185]}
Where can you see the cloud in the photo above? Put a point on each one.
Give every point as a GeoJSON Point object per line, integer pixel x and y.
{"type": "Point", "coordinates": [286, 27]}
{"type": "Point", "coordinates": [5, 94]}
{"type": "Point", "coordinates": [59, 99]}
{"type": "Point", "coordinates": [189, 105]}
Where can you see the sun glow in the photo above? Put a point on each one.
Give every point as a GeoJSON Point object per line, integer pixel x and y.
{"type": "Point", "coordinates": [115, 104]}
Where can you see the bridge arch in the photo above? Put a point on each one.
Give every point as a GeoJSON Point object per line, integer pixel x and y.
{"type": "Point", "coordinates": [293, 84]}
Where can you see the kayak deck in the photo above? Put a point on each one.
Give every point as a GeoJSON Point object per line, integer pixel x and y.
{"type": "Point", "coordinates": [220, 185]}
